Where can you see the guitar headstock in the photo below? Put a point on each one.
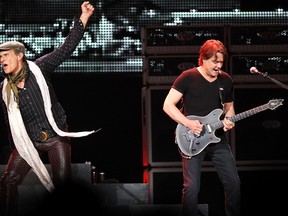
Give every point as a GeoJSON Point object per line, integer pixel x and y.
{"type": "Point", "coordinates": [273, 104]}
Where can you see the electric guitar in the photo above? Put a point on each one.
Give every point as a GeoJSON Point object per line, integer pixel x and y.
{"type": "Point", "coordinates": [190, 145]}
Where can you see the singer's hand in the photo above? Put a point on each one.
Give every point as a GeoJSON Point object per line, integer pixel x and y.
{"type": "Point", "coordinates": [87, 11]}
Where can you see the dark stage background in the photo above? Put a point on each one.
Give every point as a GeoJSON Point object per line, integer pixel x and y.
{"type": "Point", "coordinates": [107, 84]}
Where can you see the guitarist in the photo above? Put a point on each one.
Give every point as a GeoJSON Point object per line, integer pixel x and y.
{"type": "Point", "coordinates": [203, 89]}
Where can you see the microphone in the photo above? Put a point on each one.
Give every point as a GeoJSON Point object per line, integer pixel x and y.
{"type": "Point", "coordinates": [253, 70]}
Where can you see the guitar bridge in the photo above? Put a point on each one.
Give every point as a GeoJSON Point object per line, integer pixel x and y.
{"type": "Point", "coordinates": [188, 136]}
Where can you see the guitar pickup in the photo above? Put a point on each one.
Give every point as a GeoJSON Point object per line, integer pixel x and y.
{"type": "Point", "coordinates": [209, 129]}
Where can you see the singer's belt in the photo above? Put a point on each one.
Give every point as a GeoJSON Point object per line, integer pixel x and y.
{"type": "Point", "coordinates": [45, 135]}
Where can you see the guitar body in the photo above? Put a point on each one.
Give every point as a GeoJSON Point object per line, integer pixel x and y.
{"type": "Point", "coordinates": [188, 143]}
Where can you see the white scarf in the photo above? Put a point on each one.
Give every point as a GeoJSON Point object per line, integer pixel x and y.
{"type": "Point", "coordinates": [20, 136]}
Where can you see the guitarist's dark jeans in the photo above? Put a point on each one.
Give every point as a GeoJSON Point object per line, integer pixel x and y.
{"type": "Point", "coordinates": [59, 153]}
{"type": "Point", "coordinates": [224, 162]}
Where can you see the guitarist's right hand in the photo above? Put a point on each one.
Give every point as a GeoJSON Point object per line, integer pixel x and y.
{"type": "Point", "coordinates": [195, 126]}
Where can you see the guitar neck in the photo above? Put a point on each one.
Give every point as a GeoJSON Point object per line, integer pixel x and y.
{"type": "Point", "coordinates": [248, 113]}
{"type": "Point", "coordinates": [241, 116]}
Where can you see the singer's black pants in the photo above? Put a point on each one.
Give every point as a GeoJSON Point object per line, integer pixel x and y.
{"type": "Point", "coordinates": [59, 155]}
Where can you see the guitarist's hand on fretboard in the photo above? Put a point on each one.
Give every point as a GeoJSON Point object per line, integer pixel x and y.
{"type": "Point", "coordinates": [227, 124]}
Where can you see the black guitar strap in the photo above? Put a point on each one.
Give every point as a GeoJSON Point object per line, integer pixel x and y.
{"type": "Point", "coordinates": [221, 90]}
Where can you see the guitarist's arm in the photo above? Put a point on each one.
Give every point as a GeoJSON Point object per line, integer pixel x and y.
{"type": "Point", "coordinates": [171, 109]}
{"type": "Point", "coordinates": [229, 111]}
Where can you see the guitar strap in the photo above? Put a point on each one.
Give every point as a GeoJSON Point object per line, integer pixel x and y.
{"type": "Point", "coordinates": [221, 90]}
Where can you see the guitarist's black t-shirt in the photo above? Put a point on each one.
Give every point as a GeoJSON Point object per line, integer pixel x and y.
{"type": "Point", "coordinates": [201, 96]}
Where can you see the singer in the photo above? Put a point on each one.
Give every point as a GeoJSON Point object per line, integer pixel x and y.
{"type": "Point", "coordinates": [35, 119]}
{"type": "Point", "coordinates": [203, 89]}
